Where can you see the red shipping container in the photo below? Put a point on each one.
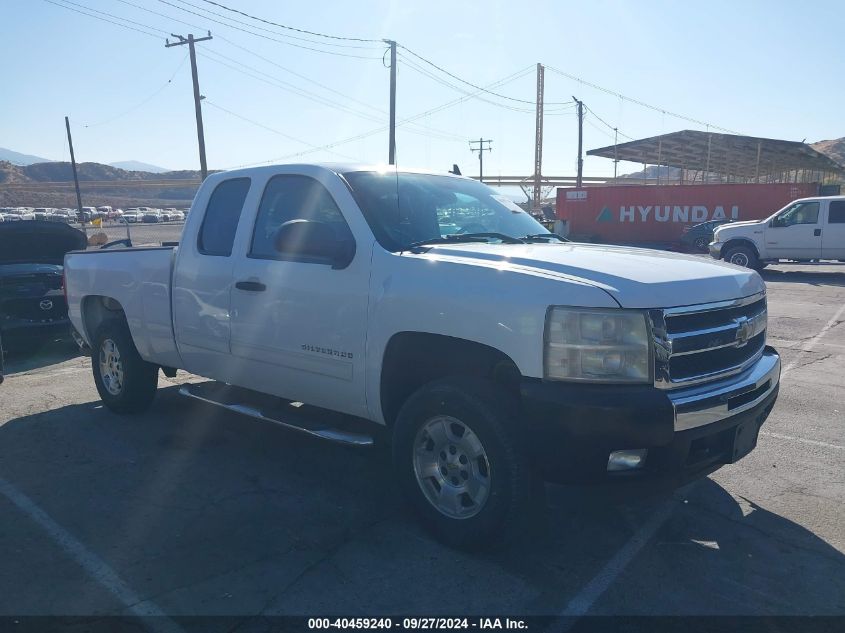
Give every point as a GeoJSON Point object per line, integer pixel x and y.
{"type": "Point", "coordinates": [649, 214]}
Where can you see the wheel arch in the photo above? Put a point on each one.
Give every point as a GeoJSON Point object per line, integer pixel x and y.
{"type": "Point", "coordinates": [740, 241]}
{"type": "Point", "coordinates": [413, 359]}
{"type": "Point", "coordinates": [97, 309]}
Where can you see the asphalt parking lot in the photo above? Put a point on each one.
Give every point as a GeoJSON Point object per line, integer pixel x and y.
{"type": "Point", "coordinates": [191, 510]}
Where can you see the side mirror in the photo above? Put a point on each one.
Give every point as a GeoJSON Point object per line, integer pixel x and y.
{"type": "Point", "coordinates": [315, 241]}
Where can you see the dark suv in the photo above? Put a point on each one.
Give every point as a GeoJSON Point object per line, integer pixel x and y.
{"type": "Point", "coordinates": [697, 237]}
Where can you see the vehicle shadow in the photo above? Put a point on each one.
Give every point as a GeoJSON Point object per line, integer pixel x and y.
{"type": "Point", "coordinates": [808, 276]}
{"type": "Point", "coordinates": [214, 513]}
{"type": "Point", "coordinates": [26, 355]}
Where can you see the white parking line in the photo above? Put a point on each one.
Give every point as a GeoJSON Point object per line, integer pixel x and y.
{"type": "Point", "coordinates": [585, 599]}
{"type": "Point", "coordinates": [792, 438]}
{"type": "Point", "coordinates": [814, 341]}
{"type": "Point", "coordinates": [96, 567]}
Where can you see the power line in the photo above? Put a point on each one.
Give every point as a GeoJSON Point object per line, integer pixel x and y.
{"type": "Point", "coordinates": [267, 37]}
{"type": "Point", "coordinates": [499, 83]}
{"type": "Point", "coordinates": [445, 83]}
{"type": "Point", "coordinates": [291, 28]}
{"type": "Point", "coordinates": [517, 75]}
{"type": "Point", "coordinates": [608, 125]}
{"type": "Point", "coordinates": [162, 15]}
{"type": "Point", "coordinates": [304, 77]}
{"type": "Point", "coordinates": [270, 129]}
{"type": "Point", "coordinates": [145, 101]}
{"type": "Point", "coordinates": [275, 32]}
{"type": "Point", "coordinates": [281, 84]}
{"type": "Point", "coordinates": [638, 102]}
{"type": "Point", "coordinates": [469, 83]}
{"type": "Point", "coordinates": [111, 15]}
{"type": "Point", "coordinates": [96, 17]}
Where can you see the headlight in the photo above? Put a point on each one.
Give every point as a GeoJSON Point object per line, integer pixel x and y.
{"type": "Point", "coordinates": [597, 345]}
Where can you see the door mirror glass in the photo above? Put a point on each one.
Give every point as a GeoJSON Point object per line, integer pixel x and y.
{"type": "Point", "coordinates": [313, 241]}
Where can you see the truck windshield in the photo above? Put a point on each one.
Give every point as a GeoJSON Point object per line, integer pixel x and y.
{"type": "Point", "coordinates": [405, 208]}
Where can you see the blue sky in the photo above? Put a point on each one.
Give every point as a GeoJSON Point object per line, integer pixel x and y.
{"type": "Point", "coordinates": [769, 69]}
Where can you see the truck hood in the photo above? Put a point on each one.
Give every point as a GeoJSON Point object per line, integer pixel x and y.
{"type": "Point", "coordinates": [634, 277]}
{"type": "Point", "coordinates": [37, 241]}
{"type": "Point", "coordinates": [726, 227]}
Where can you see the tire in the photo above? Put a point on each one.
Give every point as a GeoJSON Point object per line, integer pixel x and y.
{"type": "Point", "coordinates": [126, 383]}
{"type": "Point", "coordinates": [700, 244]}
{"type": "Point", "coordinates": [743, 256]}
{"type": "Point", "coordinates": [440, 429]}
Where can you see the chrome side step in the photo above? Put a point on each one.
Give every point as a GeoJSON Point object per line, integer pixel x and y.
{"type": "Point", "coordinates": [286, 415]}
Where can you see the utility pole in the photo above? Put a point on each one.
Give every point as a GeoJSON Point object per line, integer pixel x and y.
{"type": "Point", "coordinates": [615, 152]}
{"type": "Point", "coordinates": [391, 148]}
{"type": "Point", "coordinates": [73, 164]}
{"type": "Point", "coordinates": [481, 149]}
{"type": "Point", "coordinates": [197, 97]}
{"type": "Point", "coordinates": [580, 175]}
{"type": "Point", "coordinates": [538, 140]}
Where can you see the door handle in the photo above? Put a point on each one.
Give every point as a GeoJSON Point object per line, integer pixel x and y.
{"type": "Point", "coordinates": [252, 286]}
{"type": "Point", "coordinates": [817, 232]}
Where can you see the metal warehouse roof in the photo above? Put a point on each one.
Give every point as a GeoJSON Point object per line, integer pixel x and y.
{"type": "Point", "coordinates": [730, 154]}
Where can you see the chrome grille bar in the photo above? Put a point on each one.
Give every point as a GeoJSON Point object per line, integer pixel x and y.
{"type": "Point", "coordinates": [700, 343]}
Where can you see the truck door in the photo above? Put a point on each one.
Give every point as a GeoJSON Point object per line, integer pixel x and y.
{"type": "Point", "coordinates": [795, 233]}
{"type": "Point", "coordinates": [298, 320]}
{"type": "Point", "coordinates": [202, 280]}
{"type": "Point", "coordinates": [833, 233]}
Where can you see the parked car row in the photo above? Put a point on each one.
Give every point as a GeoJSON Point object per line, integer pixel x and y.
{"type": "Point", "coordinates": [148, 215]}
{"type": "Point", "coordinates": [89, 214]}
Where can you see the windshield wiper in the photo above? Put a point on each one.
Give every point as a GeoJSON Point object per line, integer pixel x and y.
{"type": "Point", "coordinates": [465, 237]}
{"type": "Point", "coordinates": [544, 237]}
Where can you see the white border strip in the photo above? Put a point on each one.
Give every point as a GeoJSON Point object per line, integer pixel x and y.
{"type": "Point", "coordinates": [583, 602]}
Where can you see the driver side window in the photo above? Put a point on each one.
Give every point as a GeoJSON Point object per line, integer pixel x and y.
{"type": "Point", "coordinates": [293, 197]}
{"type": "Point", "coordinates": [800, 213]}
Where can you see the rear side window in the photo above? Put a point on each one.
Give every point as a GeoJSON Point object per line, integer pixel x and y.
{"type": "Point", "coordinates": [293, 197]}
{"type": "Point", "coordinates": [837, 212]}
{"type": "Point", "coordinates": [217, 233]}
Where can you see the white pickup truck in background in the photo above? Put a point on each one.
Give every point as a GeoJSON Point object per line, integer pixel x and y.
{"type": "Point", "coordinates": [809, 229]}
{"type": "Point", "coordinates": [490, 350]}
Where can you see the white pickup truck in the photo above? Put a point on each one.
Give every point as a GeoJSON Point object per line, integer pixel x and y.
{"type": "Point", "coordinates": [804, 230]}
{"type": "Point", "coordinates": [490, 351]}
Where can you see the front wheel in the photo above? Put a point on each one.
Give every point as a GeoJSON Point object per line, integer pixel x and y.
{"type": "Point", "coordinates": [126, 382]}
{"type": "Point", "coordinates": [743, 256]}
{"type": "Point", "coordinates": [460, 460]}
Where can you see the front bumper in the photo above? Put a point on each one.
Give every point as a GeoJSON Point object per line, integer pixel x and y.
{"type": "Point", "coordinates": [715, 249]}
{"type": "Point", "coordinates": [572, 429]}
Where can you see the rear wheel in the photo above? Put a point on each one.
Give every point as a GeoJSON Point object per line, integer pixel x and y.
{"type": "Point", "coordinates": [126, 382]}
{"type": "Point", "coordinates": [461, 462]}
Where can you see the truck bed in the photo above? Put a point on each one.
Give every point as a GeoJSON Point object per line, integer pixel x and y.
{"type": "Point", "coordinates": [139, 278]}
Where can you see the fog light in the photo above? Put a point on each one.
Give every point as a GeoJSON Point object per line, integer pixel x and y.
{"type": "Point", "coordinates": [626, 460]}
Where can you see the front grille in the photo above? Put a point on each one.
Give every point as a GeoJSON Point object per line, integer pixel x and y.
{"type": "Point", "coordinates": [695, 344]}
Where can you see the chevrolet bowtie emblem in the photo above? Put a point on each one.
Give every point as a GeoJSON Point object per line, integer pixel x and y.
{"type": "Point", "coordinates": [743, 331]}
